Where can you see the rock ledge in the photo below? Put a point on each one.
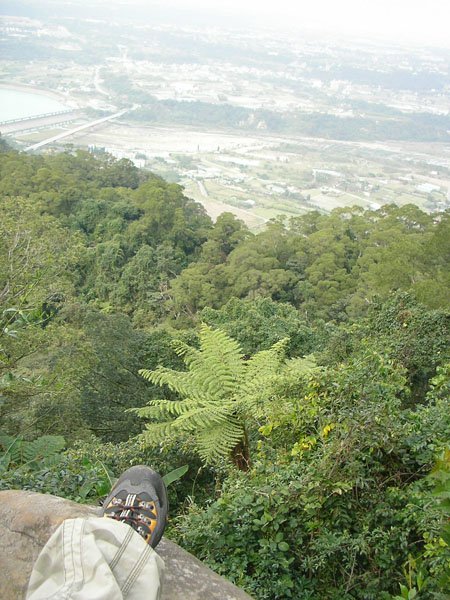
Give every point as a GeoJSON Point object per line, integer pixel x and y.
{"type": "Point", "coordinates": [28, 519]}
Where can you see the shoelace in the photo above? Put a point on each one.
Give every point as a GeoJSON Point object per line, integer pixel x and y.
{"type": "Point", "coordinates": [130, 509]}
{"type": "Point", "coordinates": [126, 508]}
{"type": "Point", "coordinates": [131, 513]}
{"type": "Point", "coordinates": [124, 511]}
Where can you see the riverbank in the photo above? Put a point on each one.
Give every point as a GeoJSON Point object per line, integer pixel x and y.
{"type": "Point", "coordinates": [23, 102]}
{"type": "Point", "coordinates": [58, 96]}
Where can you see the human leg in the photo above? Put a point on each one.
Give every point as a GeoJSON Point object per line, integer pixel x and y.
{"type": "Point", "coordinates": [108, 558]}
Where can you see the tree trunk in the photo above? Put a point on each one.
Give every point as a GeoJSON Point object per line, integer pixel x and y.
{"type": "Point", "coordinates": [241, 454]}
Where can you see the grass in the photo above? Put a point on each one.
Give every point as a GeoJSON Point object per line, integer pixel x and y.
{"type": "Point", "coordinates": [38, 136]}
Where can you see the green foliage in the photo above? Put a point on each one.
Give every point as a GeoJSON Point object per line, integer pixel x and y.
{"type": "Point", "coordinates": [438, 549]}
{"type": "Point", "coordinates": [86, 471]}
{"type": "Point", "coordinates": [221, 392]}
{"type": "Point", "coordinates": [416, 337]}
{"type": "Point", "coordinates": [413, 336]}
{"type": "Point", "coordinates": [101, 356]}
{"type": "Point", "coordinates": [175, 474]}
{"type": "Point", "coordinates": [332, 267]}
{"type": "Point", "coordinates": [341, 517]}
{"type": "Point", "coordinates": [416, 580]}
{"type": "Point", "coordinates": [126, 219]}
{"type": "Point", "coordinates": [21, 453]}
{"type": "Point", "coordinates": [28, 271]}
{"type": "Point", "coordinates": [226, 235]}
{"type": "Point", "coordinates": [84, 480]}
{"type": "Point", "coordinates": [260, 323]}
{"type": "Point", "coordinates": [22, 460]}
{"type": "Point", "coordinates": [36, 260]}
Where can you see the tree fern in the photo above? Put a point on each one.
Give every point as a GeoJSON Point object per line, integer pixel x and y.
{"type": "Point", "coordinates": [221, 392]}
{"type": "Point", "coordinates": [37, 453]}
{"type": "Point", "coordinates": [43, 447]}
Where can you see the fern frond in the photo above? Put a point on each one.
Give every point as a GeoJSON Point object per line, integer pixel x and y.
{"type": "Point", "coordinates": [217, 443]}
{"type": "Point", "coordinates": [152, 412]}
{"type": "Point", "coordinates": [12, 446]}
{"type": "Point", "coordinates": [155, 433]}
{"type": "Point", "coordinates": [162, 409]}
{"type": "Point", "coordinates": [43, 447]}
{"type": "Point", "coordinates": [20, 451]}
{"type": "Point", "coordinates": [6, 441]}
{"type": "Point", "coordinates": [202, 417]}
{"type": "Point", "coordinates": [221, 357]}
{"type": "Point", "coordinates": [188, 353]}
{"type": "Point", "coordinates": [266, 362]}
{"type": "Point", "coordinates": [304, 365]}
{"type": "Point", "coordinates": [219, 391]}
{"type": "Point", "coordinates": [260, 371]}
{"type": "Point", "coordinates": [177, 381]}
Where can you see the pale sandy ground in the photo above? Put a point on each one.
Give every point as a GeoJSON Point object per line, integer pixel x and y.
{"type": "Point", "coordinates": [214, 208]}
{"type": "Point", "coordinates": [162, 141]}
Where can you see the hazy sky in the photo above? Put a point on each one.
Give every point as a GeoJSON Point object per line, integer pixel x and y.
{"type": "Point", "coordinates": [411, 20]}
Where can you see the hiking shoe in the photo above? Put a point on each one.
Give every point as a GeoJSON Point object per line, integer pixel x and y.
{"type": "Point", "coordinates": [139, 499]}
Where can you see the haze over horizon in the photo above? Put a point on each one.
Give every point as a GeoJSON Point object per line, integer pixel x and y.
{"type": "Point", "coordinates": [411, 21]}
{"type": "Point", "coordinates": [394, 21]}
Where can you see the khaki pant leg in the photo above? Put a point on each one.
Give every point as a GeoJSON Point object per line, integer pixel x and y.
{"type": "Point", "coordinates": [96, 559]}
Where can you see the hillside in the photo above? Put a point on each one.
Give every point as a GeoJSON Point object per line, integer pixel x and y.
{"type": "Point", "coordinates": [320, 374]}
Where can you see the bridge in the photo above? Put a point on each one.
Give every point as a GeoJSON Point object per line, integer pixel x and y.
{"type": "Point", "coordinates": [65, 134]}
{"type": "Point", "coordinates": [38, 121]}
{"type": "Point", "coordinates": [42, 116]}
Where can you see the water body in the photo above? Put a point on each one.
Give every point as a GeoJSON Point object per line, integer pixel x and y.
{"type": "Point", "coordinates": [17, 104]}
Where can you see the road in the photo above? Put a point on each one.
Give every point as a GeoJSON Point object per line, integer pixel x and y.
{"type": "Point", "coordinates": [61, 136]}
{"type": "Point", "coordinates": [202, 188]}
{"type": "Point", "coordinates": [97, 80]}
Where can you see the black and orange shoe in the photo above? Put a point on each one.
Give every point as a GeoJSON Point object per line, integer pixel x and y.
{"type": "Point", "coordinates": [139, 499]}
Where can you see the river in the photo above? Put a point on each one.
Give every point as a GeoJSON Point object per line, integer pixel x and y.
{"type": "Point", "coordinates": [19, 103]}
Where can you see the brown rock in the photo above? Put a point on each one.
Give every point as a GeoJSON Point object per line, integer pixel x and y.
{"type": "Point", "coordinates": [28, 519]}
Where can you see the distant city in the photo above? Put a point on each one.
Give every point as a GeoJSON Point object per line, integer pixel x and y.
{"type": "Point", "coordinates": [248, 122]}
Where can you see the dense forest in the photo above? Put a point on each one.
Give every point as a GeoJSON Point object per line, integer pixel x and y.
{"type": "Point", "coordinates": [301, 373]}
